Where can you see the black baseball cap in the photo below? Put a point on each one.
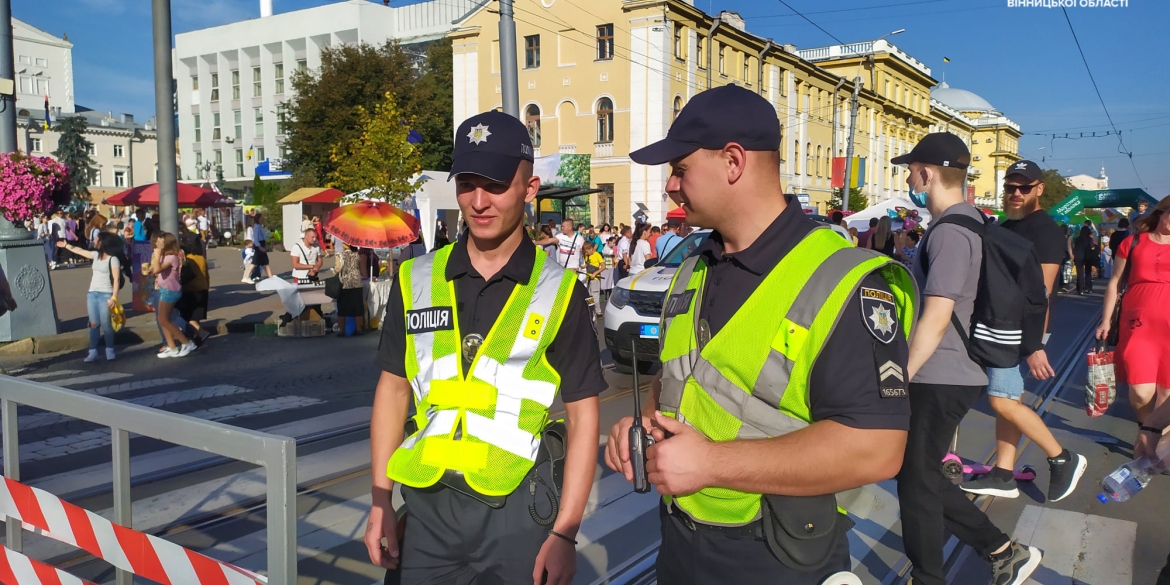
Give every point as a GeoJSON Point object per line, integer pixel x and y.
{"type": "Point", "coordinates": [491, 145]}
{"type": "Point", "coordinates": [939, 148]}
{"type": "Point", "coordinates": [1027, 169]}
{"type": "Point", "coordinates": [711, 120]}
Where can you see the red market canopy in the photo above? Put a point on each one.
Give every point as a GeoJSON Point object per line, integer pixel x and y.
{"type": "Point", "coordinates": [188, 196]}
{"type": "Point", "coordinates": [676, 213]}
{"type": "Point", "coordinates": [313, 195]}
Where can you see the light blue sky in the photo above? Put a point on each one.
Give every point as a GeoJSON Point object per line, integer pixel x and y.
{"type": "Point", "coordinates": [1022, 60]}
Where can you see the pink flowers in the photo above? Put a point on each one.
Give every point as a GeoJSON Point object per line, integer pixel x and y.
{"type": "Point", "coordinates": [31, 185]}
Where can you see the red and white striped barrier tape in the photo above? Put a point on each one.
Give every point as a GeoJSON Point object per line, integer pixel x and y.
{"type": "Point", "coordinates": [17, 569]}
{"type": "Point", "coordinates": [142, 554]}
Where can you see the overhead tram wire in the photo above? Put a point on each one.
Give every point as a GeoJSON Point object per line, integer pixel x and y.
{"type": "Point", "coordinates": [1120, 141]}
{"type": "Point", "coordinates": [809, 20]}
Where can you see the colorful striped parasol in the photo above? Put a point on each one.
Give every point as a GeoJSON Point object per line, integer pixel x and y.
{"type": "Point", "coordinates": [372, 224]}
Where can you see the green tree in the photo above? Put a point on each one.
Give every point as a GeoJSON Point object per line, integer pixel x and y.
{"type": "Point", "coordinates": [379, 157]}
{"type": "Point", "coordinates": [73, 152]}
{"type": "Point", "coordinates": [324, 112]}
{"type": "Point", "coordinates": [857, 201]}
{"type": "Point", "coordinates": [266, 194]}
{"type": "Point", "coordinates": [1056, 188]}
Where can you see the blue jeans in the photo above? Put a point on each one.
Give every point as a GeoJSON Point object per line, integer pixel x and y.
{"type": "Point", "coordinates": [99, 313]}
{"type": "Point", "coordinates": [1005, 382]}
{"type": "Point", "coordinates": [175, 317]}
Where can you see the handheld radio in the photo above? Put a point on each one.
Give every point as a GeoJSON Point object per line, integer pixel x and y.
{"type": "Point", "coordinates": [640, 439]}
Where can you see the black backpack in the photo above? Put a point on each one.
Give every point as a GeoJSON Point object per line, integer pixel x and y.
{"type": "Point", "coordinates": [1011, 302]}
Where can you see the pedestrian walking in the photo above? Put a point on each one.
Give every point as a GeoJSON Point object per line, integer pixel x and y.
{"type": "Point", "coordinates": [592, 266]}
{"type": "Point", "coordinates": [758, 461]}
{"type": "Point", "coordinates": [247, 255]}
{"type": "Point", "coordinates": [1082, 259]}
{"type": "Point", "coordinates": [1143, 322]}
{"type": "Point", "coordinates": [196, 284]}
{"type": "Point", "coordinates": [166, 266]}
{"type": "Point", "coordinates": [883, 237]}
{"type": "Point", "coordinates": [639, 249]}
{"type": "Point", "coordinates": [944, 382]}
{"type": "Point", "coordinates": [351, 304]}
{"type": "Point", "coordinates": [1023, 187]}
{"type": "Point", "coordinates": [478, 476]}
{"type": "Point", "coordinates": [260, 249]}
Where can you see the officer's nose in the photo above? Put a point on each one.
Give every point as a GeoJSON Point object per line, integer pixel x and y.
{"type": "Point", "coordinates": [480, 200]}
{"type": "Point", "coordinates": [673, 185]}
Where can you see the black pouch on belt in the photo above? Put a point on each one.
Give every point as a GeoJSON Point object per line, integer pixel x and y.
{"type": "Point", "coordinates": [802, 530]}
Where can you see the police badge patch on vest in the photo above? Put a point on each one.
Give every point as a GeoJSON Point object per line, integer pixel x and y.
{"type": "Point", "coordinates": [879, 313]}
{"type": "Point", "coordinates": [428, 320]}
{"type": "Point", "coordinates": [679, 303]}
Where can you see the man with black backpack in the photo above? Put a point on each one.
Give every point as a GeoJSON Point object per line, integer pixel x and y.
{"type": "Point", "coordinates": [955, 321]}
{"type": "Point", "coordinates": [1023, 186]}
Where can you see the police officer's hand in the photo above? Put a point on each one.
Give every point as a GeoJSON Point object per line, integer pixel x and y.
{"type": "Point", "coordinates": [677, 463]}
{"type": "Point", "coordinates": [383, 523]}
{"type": "Point", "coordinates": [617, 449]}
{"type": "Point", "coordinates": [556, 563]}
{"type": "Point", "coordinates": [1038, 364]}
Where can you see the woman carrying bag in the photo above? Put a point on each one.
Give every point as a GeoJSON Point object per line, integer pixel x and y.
{"type": "Point", "coordinates": [103, 290]}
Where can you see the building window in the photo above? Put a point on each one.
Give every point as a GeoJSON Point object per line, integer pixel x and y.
{"type": "Point", "coordinates": [532, 121]}
{"type": "Point", "coordinates": [95, 177]}
{"type": "Point", "coordinates": [218, 156]}
{"type": "Point", "coordinates": [119, 178]}
{"type": "Point", "coordinates": [604, 42]}
{"type": "Point", "coordinates": [302, 65]}
{"type": "Point", "coordinates": [281, 120]}
{"type": "Point", "coordinates": [215, 126]}
{"type": "Point", "coordinates": [198, 159]}
{"type": "Point", "coordinates": [796, 157]}
{"type": "Point", "coordinates": [820, 153]}
{"type": "Point", "coordinates": [532, 51]}
{"type": "Point", "coordinates": [604, 120]}
{"type": "Point", "coordinates": [678, 44]}
{"type": "Point", "coordinates": [722, 51]}
{"type": "Point", "coordinates": [119, 152]}
{"type": "Point", "coordinates": [259, 153]}
{"type": "Point", "coordinates": [197, 131]}
{"type": "Point", "coordinates": [239, 162]}
{"type": "Point", "coordinates": [36, 145]}
{"type": "Point", "coordinates": [195, 82]}
{"type": "Point", "coordinates": [808, 156]}
{"type": "Point", "coordinates": [605, 202]}
{"type": "Point", "coordinates": [278, 75]}
{"type": "Point", "coordinates": [258, 116]}
{"type": "Point", "coordinates": [238, 120]}
{"type": "Point", "coordinates": [255, 82]}
{"type": "Point", "coordinates": [702, 53]}
{"type": "Point", "coordinates": [42, 86]}
{"type": "Point", "coordinates": [42, 62]}
{"type": "Point", "coordinates": [90, 150]}
{"type": "Point", "coordinates": [677, 107]}
{"type": "Point", "coordinates": [215, 87]}
{"type": "Point", "coordinates": [746, 67]}
{"type": "Point", "coordinates": [235, 84]}
{"type": "Point", "coordinates": [25, 59]}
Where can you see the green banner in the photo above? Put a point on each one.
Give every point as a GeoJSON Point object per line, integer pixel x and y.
{"type": "Point", "coordinates": [1081, 199]}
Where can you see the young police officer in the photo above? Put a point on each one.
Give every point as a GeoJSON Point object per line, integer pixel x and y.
{"type": "Point", "coordinates": [784, 355]}
{"type": "Point", "coordinates": [485, 333]}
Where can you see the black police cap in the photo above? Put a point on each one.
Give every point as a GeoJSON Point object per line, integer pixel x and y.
{"type": "Point", "coordinates": [711, 120]}
{"type": "Point", "coordinates": [491, 145]}
{"type": "Point", "coordinates": [939, 148]}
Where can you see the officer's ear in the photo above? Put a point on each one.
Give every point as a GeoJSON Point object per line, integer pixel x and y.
{"type": "Point", "coordinates": [735, 160]}
{"type": "Point", "coordinates": [524, 173]}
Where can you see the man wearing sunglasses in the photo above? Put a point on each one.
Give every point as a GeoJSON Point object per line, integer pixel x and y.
{"type": "Point", "coordinates": [1023, 186]}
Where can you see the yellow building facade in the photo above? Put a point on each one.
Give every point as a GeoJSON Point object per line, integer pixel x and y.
{"type": "Point", "coordinates": [994, 140]}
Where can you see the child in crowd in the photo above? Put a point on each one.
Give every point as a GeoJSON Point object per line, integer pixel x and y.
{"type": "Point", "coordinates": [592, 266]}
{"type": "Point", "coordinates": [247, 253]}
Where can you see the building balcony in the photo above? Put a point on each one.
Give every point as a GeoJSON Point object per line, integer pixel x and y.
{"type": "Point", "coordinates": [861, 49]}
{"type": "Point", "coordinates": [567, 149]}
{"type": "Point", "coordinates": [602, 149]}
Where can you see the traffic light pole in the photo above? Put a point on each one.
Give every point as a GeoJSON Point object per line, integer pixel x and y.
{"type": "Point", "coordinates": [847, 189]}
{"type": "Point", "coordinates": [509, 86]}
{"type": "Point", "coordinates": [164, 107]}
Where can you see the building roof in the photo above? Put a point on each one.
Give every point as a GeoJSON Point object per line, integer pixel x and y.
{"type": "Point", "coordinates": [24, 30]}
{"type": "Point", "coordinates": [960, 99]}
{"type": "Point", "coordinates": [96, 120]}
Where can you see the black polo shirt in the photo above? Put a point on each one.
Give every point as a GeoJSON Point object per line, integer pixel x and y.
{"type": "Point", "coordinates": [845, 385]}
{"type": "Point", "coordinates": [574, 352]}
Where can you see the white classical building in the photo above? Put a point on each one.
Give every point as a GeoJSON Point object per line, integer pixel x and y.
{"type": "Point", "coordinates": [44, 67]}
{"type": "Point", "coordinates": [233, 80]}
{"type": "Point", "coordinates": [1090, 183]}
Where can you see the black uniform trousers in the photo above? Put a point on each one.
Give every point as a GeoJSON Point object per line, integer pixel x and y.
{"type": "Point", "coordinates": [699, 557]}
{"type": "Point", "coordinates": [929, 501]}
{"type": "Point", "coordinates": [454, 539]}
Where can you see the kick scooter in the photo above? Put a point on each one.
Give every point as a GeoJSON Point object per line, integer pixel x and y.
{"type": "Point", "coordinates": [954, 468]}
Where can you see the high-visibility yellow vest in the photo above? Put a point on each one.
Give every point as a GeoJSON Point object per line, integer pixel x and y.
{"type": "Point", "coordinates": [485, 423]}
{"type": "Point", "coordinates": [751, 379]}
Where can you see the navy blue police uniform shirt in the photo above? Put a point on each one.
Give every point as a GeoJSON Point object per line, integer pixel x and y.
{"type": "Point", "coordinates": [851, 382]}
{"type": "Point", "coordinates": [574, 352]}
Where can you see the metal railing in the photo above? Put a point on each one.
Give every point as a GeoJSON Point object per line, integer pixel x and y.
{"type": "Point", "coordinates": [277, 455]}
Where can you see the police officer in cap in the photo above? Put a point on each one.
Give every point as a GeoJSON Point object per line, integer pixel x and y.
{"type": "Point", "coordinates": [485, 334]}
{"type": "Point", "coordinates": [783, 354]}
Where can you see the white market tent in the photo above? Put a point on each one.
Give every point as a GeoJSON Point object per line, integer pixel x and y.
{"type": "Point", "coordinates": [860, 220]}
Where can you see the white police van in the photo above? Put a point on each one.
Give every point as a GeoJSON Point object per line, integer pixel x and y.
{"type": "Point", "coordinates": [634, 310]}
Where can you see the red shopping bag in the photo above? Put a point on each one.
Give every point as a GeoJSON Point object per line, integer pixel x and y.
{"type": "Point", "coordinates": [1101, 390]}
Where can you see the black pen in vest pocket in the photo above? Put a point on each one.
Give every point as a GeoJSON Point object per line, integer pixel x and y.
{"type": "Point", "coordinates": [639, 438]}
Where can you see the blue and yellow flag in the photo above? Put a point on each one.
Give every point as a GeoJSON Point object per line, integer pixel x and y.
{"type": "Point", "coordinates": [47, 121]}
{"type": "Point", "coordinates": [250, 154]}
{"type": "Point", "coordinates": [945, 60]}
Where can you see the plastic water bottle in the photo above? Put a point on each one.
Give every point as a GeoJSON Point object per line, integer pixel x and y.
{"type": "Point", "coordinates": [1129, 479]}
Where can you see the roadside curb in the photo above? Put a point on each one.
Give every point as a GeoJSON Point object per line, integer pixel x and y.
{"type": "Point", "coordinates": [79, 340]}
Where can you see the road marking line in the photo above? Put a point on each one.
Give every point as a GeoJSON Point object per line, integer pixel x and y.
{"type": "Point", "coordinates": [152, 401]}
{"type": "Point", "coordinates": [90, 379]}
{"type": "Point", "coordinates": [42, 375]}
{"type": "Point", "coordinates": [130, 386]}
{"type": "Point", "coordinates": [1079, 547]}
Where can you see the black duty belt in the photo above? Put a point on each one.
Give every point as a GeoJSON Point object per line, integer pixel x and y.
{"type": "Point", "coordinates": [751, 531]}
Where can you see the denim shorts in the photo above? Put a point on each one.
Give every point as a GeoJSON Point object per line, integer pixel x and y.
{"type": "Point", "coordinates": [169, 296]}
{"type": "Point", "coordinates": [1005, 382]}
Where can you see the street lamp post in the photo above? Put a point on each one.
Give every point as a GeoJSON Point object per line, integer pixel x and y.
{"type": "Point", "coordinates": [872, 60]}
{"type": "Point", "coordinates": [168, 204]}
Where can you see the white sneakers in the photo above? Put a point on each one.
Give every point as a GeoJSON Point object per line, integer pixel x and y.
{"type": "Point", "coordinates": [169, 352]}
{"type": "Point", "coordinates": [92, 357]}
{"type": "Point", "coordinates": [178, 352]}
{"type": "Point", "coordinates": [110, 354]}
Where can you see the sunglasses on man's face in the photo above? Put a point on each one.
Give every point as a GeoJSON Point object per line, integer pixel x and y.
{"type": "Point", "coordinates": [1023, 189]}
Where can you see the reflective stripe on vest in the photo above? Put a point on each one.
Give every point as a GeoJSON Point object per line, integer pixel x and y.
{"type": "Point", "coordinates": [751, 380]}
{"type": "Point", "coordinates": [486, 424]}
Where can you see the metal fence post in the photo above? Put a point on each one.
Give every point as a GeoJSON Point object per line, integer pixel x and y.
{"type": "Point", "coordinates": [11, 436]}
{"type": "Point", "coordinates": [282, 512]}
{"type": "Point", "coordinates": [123, 508]}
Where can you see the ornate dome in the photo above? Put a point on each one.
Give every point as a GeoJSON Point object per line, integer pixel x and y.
{"type": "Point", "coordinates": [960, 99]}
